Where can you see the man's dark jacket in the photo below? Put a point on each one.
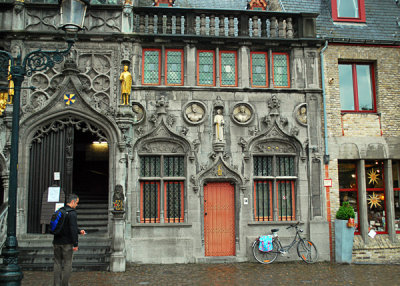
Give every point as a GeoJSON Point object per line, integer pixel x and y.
{"type": "Point", "coordinates": [70, 230]}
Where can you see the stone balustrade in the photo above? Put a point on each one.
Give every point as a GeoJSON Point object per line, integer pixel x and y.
{"type": "Point", "coordinates": [223, 23]}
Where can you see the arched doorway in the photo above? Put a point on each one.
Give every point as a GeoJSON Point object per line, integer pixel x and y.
{"type": "Point", "coordinates": [73, 155]}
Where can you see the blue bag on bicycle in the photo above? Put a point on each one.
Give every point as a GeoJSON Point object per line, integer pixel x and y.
{"type": "Point", "coordinates": [265, 243]}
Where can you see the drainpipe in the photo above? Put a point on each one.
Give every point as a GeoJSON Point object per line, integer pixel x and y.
{"type": "Point", "coordinates": [326, 155]}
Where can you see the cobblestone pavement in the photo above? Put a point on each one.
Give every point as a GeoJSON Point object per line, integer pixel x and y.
{"type": "Point", "coordinates": [232, 274]}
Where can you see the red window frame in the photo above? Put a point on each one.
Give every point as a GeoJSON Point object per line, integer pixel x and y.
{"type": "Point", "coordinates": [287, 66]}
{"type": "Point", "coordinates": [293, 201]}
{"type": "Point", "coordinates": [270, 216]}
{"type": "Point", "coordinates": [361, 13]}
{"type": "Point", "coordinates": [198, 67]}
{"type": "Point", "coordinates": [142, 218]}
{"type": "Point", "coordinates": [396, 188]}
{"type": "Point", "coordinates": [266, 69]}
{"type": "Point", "coordinates": [173, 220]}
{"type": "Point", "coordinates": [159, 66]}
{"type": "Point", "coordinates": [355, 190]}
{"type": "Point", "coordinates": [166, 67]}
{"type": "Point", "coordinates": [220, 68]}
{"type": "Point", "coordinates": [355, 87]}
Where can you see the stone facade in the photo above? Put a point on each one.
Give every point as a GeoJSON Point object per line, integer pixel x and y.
{"type": "Point", "coordinates": [275, 122]}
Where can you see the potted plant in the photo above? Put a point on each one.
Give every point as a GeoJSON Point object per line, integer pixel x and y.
{"type": "Point", "coordinates": [344, 233]}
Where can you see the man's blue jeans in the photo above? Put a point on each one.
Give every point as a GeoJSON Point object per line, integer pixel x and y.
{"type": "Point", "coordinates": [62, 264]}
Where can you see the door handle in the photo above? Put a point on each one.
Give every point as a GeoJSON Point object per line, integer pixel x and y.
{"type": "Point", "coordinates": [205, 214]}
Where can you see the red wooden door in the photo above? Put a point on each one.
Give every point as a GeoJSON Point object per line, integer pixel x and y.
{"type": "Point", "coordinates": [219, 219]}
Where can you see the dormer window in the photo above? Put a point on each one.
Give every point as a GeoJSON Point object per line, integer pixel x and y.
{"type": "Point", "coordinates": [258, 5]}
{"type": "Point", "coordinates": [348, 10]}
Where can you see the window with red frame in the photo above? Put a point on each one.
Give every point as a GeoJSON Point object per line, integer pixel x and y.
{"type": "Point", "coordinates": [174, 67]}
{"type": "Point", "coordinates": [348, 10]}
{"type": "Point", "coordinates": [357, 87]}
{"type": "Point", "coordinates": [162, 175]}
{"type": "Point", "coordinates": [205, 68]}
{"type": "Point", "coordinates": [348, 187]}
{"type": "Point", "coordinates": [259, 69]}
{"type": "Point", "coordinates": [396, 191]}
{"type": "Point", "coordinates": [280, 69]}
{"type": "Point", "coordinates": [376, 201]}
{"type": "Point", "coordinates": [228, 68]}
{"type": "Point", "coordinates": [151, 67]}
{"type": "Point", "coordinates": [269, 185]}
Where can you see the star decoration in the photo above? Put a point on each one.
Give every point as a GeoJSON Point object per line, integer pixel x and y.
{"type": "Point", "coordinates": [374, 200]}
{"type": "Point", "coordinates": [373, 177]}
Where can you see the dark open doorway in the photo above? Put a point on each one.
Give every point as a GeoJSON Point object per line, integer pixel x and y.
{"type": "Point", "coordinates": [90, 176]}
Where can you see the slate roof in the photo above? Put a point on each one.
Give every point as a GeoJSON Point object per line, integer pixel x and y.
{"type": "Point", "coordinates": [380, 26]}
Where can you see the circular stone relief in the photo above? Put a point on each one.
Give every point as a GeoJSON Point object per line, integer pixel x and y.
{"type": "Point", "coordinates": [194, 112]}
{"type": "Point", "coordinates": [242, 113]}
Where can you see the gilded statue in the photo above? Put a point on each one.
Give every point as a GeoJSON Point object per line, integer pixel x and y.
{"type": "Point", "coordinates": [126, 84]}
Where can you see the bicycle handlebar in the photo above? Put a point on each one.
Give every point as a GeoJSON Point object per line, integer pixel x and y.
{"type": "Point", "coordinates": [293, 225]}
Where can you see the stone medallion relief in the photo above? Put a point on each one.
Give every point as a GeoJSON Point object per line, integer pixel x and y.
{"type": "Point", "coordinates": [242, 113]}
{"type": "Point", "coordinates": [301, 114]}
{"type": "Point", "coordinates": [194, 112]}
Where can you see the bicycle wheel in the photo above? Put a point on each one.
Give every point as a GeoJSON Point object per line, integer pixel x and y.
{"type": "Point", "coordinates": [265, 257]}
{"type": "Point", "coordinates": [307, 251]}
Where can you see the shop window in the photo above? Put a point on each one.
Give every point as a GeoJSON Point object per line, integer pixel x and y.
{"type": "Point", "coordinates": [174, 67]}
{"type": "Point", "coordinates": [396, 191]}
{"type": "Point", "coordinates": [348, 188]}
{"type": "Point", "coordinates": [228, 68]}
{"type": "Point", "coordinates": [269, 185]}
{"type": "Point", "coordinates": [280, 68]}
{"type": "Point", "coordinates": [357, 87]}
{"type": "Point", "coordinates": [259, 69]}
{"type": "Point", "coordinates": [206, 68]}
{"type": "Point", "coordinates": [348, 10]}
{"type": "Point", "coordinates": [151, 67]}
{"type": "Point", "coordinates": [375, 195]}
{"type": "Point", "coordinates": [166, 172]}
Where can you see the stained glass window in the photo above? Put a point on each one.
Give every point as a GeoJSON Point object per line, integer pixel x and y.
{"type": "Point", "coordinates": [174, 69]}
{"type": "Point", "coordinates": [228, 69]}
{"type": "Point", "coordinates": [206, 68]}
{"type": "Point", "coordinates": [151, 67]}
{"type": "Point", "coordinates": [259, 67]}
{"type": "Point", "coordinates": [281, 70]}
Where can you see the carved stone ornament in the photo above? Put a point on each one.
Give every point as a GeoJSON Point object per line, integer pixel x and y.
{"type": "Point", "coordinates": [118, 198]}
{"type": "Point", "coordinates": [301, 114]}
{"type": "Point", "coordinates": [274, 104]}
{"type": "Point", "coordinates": [274, 147]}
{"type": "Point", "coordinates": [138, 112]}
{"type": "Point", "coordinates": [194, 112]}
{"type": "Point", "coordinates": [242, 113]}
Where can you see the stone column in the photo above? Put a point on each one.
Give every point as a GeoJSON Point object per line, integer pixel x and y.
{"type": "Point", "coordinates": [118, 259]}
{"type": "Point", "coordinates": [389, 201]}
{"type": "Point", "coordinates": [362, 200]}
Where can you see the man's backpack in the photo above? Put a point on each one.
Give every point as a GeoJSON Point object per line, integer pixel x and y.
{"type": "Point", "coordinates": [57, 220]}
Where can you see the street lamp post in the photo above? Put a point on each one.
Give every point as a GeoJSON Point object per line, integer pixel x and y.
{"type": "Point", "coordinates": [72, 15]}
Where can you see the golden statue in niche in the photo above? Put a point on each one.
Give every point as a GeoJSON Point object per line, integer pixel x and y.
{"type": "Point", "coordinates": [126, 84]}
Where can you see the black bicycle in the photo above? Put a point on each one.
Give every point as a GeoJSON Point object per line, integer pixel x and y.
{"type": "Point", "coordinates": [306, 249]}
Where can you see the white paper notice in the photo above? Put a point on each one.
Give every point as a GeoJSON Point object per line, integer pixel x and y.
{"type": "Point", "coordinates": [372, 233]}
{"type": "Point", "coordinates": [58, 205]}
{"type": "Point", "coordinates": [54, 195]}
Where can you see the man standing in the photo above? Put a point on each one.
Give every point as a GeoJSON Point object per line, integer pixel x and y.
{"type": "Point", "coordinates": [66, 242]}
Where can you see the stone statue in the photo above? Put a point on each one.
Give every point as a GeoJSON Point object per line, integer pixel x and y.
{"type": "Point", "coordinates": [126, 84]}
{"type": "Point", "coordinates": [242, 113]}
{"type": "Point", "coordinates": [194, 113]}
{"type": "Point", "coordinates": [219, 125]}
{"type": "Point", "coordinates": [118, 198]}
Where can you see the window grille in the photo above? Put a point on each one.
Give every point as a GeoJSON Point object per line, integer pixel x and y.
{"type": "Point", "coordinates": [281, 70]}
{"type": "Point", "coordinates": [263, 200]}
{"type": "Point", "coordinates": [286, 200]}
{"type": "Point", "coordinates": [285, 166]}
{"type": "Point", "coordinates": [161, 197]}
{"type": "Point", "coordinates": [205, 69]}
{"type": "Point", "coordinates": [259, 66]}
{"type": "Point", "coordinates": [263, 166]}
{"type": "Point", "coordinates": [228, 68]}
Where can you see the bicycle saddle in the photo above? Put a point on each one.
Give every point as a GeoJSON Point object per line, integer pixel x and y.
{"type": "Point", "coordinates": [275, 230]}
